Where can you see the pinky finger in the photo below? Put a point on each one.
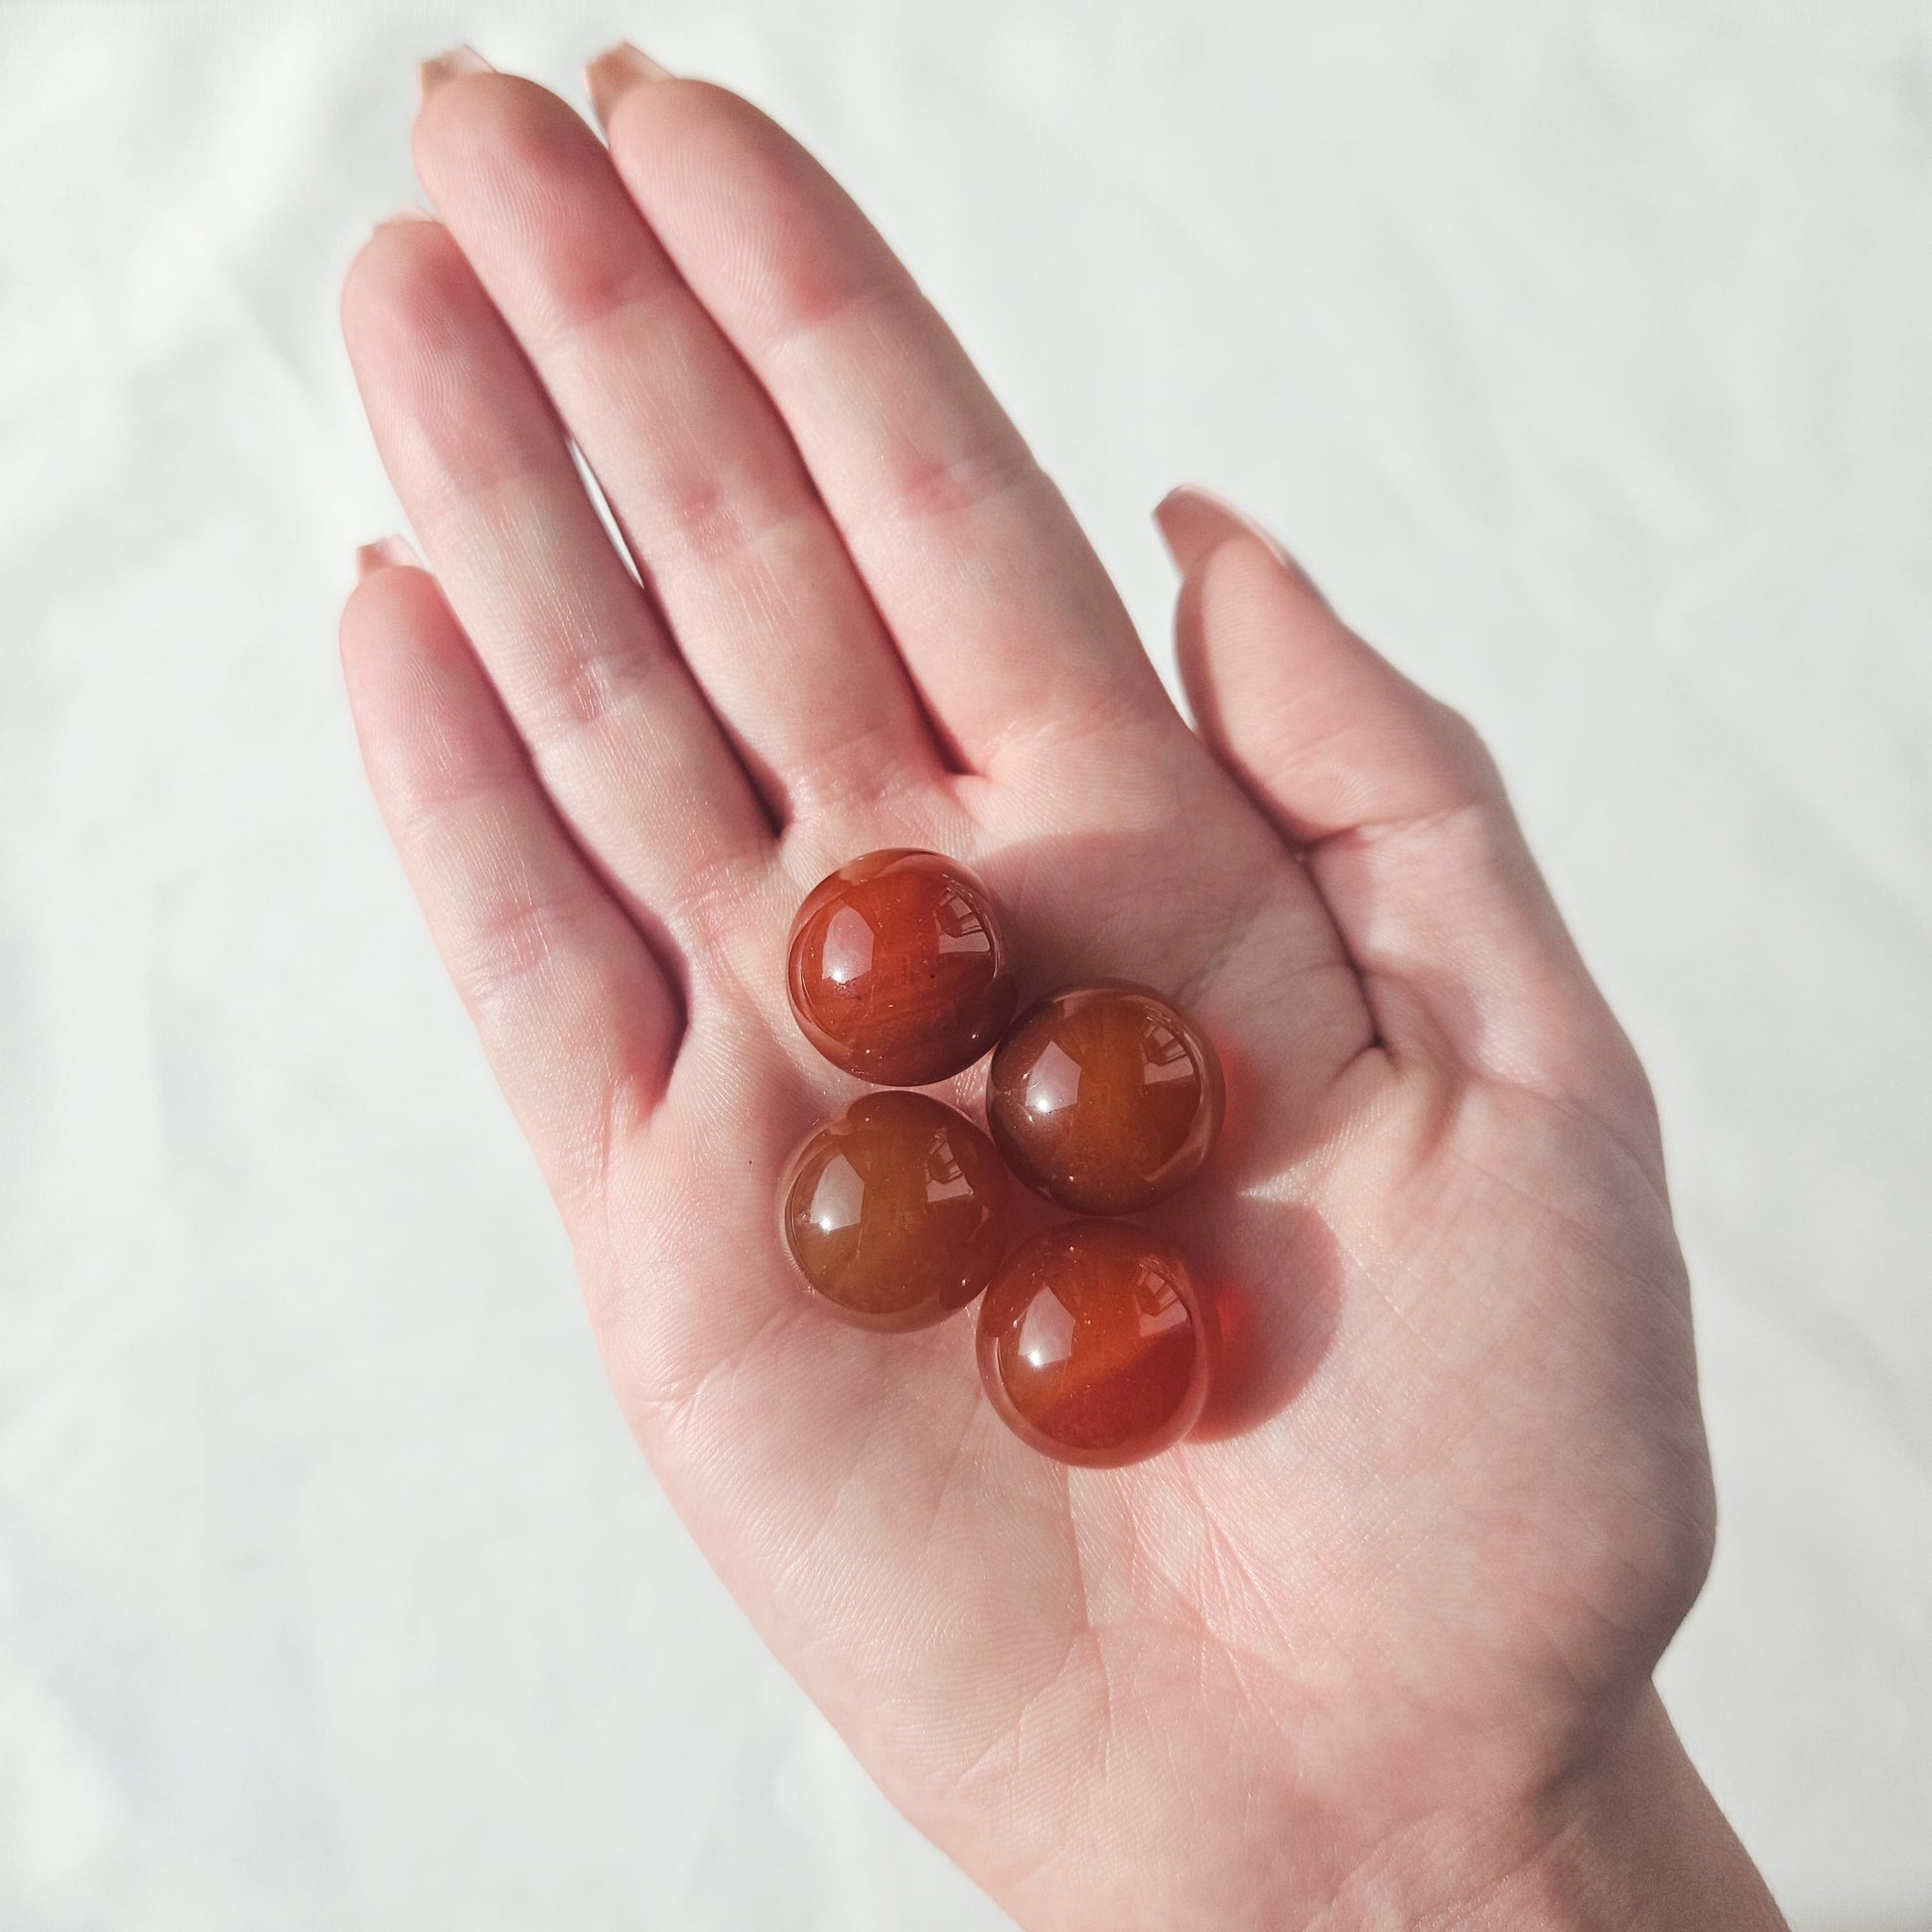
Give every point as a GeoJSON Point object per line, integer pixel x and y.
{"type": "Point", "coordinates": [578, 1020]}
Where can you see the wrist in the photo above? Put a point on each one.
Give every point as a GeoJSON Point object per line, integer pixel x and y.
{"type": "Point", "coordinates": [1629, 1841]}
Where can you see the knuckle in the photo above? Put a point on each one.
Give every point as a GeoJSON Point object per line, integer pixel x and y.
{"type": "Point", "coordinates": [515, 942]}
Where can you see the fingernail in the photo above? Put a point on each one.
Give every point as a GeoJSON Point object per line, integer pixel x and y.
{"type": "Point", "coordinates": [446, 67]}
{"type": "Point", "coordinates": [379, 555]}
{"type": "Point", "coordinates": [614, 72]}
{"type": "Point", "coordinates": [1192, 520]}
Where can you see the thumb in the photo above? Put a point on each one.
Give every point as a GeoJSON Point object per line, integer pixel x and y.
{"type": "Point", "coordinates": [1400, 816]}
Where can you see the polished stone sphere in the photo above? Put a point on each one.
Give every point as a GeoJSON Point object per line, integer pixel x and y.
{"type": "Point", "coordinates": [894, 1211]}
{"type": "Point", "coordinates": [1093, 1345]}
{"type": "Point", "coordinates": [898, 969]}
{"type": "Point", "coordinates": [1104, 1098]}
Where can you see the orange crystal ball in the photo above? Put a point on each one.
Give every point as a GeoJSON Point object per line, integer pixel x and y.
{"type": "Point", "coordinates": [1105, 1097]}
{"type": "Point", "coordinates": [1092, 1343]}
{"type": "Point", "coordinates": [898, 969]}
{"type": "Point", "coordinates": [894, 1211]}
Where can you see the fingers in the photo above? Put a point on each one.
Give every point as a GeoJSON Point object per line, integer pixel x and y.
{"type": "Point", "coordinates": [1399, 814]}
{"type": "Point", "coordinates": [699, 472]}
{"type": "Point", "coordinates": [578, 1020]}
{"type": "Point", "coordinates": [1012, 633]}
{"type": "Point", "coordinates": [623, 739]}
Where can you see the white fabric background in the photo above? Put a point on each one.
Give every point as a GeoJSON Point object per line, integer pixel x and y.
{"type": "Point", "coordinates": [1585, 353]}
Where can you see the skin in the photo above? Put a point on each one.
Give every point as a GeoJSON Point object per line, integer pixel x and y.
{"type": "Point", "coordinates": [1372, 1648]}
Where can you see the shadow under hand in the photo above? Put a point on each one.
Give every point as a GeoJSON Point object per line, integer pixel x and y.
{"type": "Point", "coordinates": [1272, 1323]}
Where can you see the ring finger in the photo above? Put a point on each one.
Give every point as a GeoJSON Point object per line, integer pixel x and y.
{"type": "Point", "coordinates": [620, 735]}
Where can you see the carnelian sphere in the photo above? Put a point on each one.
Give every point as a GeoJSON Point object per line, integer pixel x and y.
{"type": "Point", "coordinates": [894, 1211]}
{"type": "Point", "coordinates": [1105, 1097]}
{"type": "Point", "coordinates": [898, 969]}
{"type": "Point", "coordinates": [1092, 1343]}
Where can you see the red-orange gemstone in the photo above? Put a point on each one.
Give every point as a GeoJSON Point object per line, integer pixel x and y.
{"type": "Point", "coordinates": [899, 970]}
{"type": "Point", "coordinates": [894, 1211]}
{"type": "Point", "coordinates": [1092, 1343]}
{"type": "Point", "coordinates": [1105, 1097]}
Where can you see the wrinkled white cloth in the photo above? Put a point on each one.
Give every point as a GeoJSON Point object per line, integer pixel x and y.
{"type": "Point", "coordinates": [1585, 355]}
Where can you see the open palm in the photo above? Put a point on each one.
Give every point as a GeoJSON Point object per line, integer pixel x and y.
{"type": "Point", "coordinates": [1451, 1497]}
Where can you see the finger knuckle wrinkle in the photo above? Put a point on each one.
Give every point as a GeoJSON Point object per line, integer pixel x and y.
{"type": "Point", "coordinates": [517, 939]}
{"type": "Point", "coordinates": [816, 299]}
{"type": "Point", "coordinates": [450, 779]}
{"type": "Point", "coordinates": [597, 290]}
{"type": "Point", "coordinates": [582, 695]}
{"type": "Point", "coordinates": [707, 524]}
{"type": "Point", "coordinates": [942, 488]}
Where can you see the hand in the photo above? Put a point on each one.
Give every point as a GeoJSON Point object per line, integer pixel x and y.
{"type": "Point", "coordinates": [1373, 1647]}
